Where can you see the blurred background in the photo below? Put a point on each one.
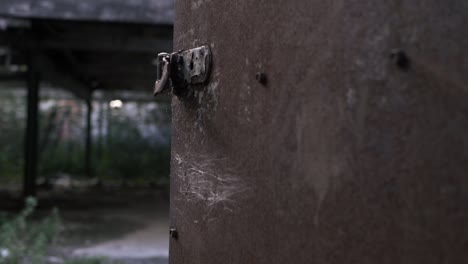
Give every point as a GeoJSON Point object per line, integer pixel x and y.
{"type": "Point", "coordinates": [81, 133]}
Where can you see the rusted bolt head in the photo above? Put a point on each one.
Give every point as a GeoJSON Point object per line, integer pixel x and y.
{"type": "Point", "coordinates": [400, 59]}
{"type": "Point", "coordinates": [261, 78]}
{"type": "Point", "coordinates": [173, 233]}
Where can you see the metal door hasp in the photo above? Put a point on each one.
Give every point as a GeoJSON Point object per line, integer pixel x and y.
{"type": "Point", "coordinates": [181, 70]}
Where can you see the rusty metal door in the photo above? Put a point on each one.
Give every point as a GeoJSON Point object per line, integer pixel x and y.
{"type": "Point", "coordinates": [329, 132]}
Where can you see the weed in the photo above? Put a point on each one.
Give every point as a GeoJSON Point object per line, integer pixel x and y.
{"type": "Point", "coordinates": [24, 242]}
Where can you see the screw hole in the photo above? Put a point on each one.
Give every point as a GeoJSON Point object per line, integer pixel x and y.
{"type": "Point", "coordinates": [261, 78]}
{"type": "Point", "coordinates": [400, 59]}
{"type": "Point", "coordinates": [173, 233]}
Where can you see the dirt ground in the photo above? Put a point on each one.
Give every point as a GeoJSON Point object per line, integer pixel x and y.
{"type": "Point", "coordinates": [128, 226]}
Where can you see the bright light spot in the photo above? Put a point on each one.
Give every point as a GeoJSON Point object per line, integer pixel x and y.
{"type": "Point", "coordinates": [4, 253]}
{"type": "Point", "coordinates": [115, 104]}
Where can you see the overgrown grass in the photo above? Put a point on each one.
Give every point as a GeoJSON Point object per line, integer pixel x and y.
{"type": "Point", "coordinates": [23, 241]}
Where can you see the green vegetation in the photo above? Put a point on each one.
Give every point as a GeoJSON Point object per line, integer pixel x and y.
{"type": "Point", "coordinates": [120, 153]}
{"type": "Point", "coordinates": [129, 156]}
{"type": "Point", "coordinates": [11, 137]}
{"type": "Point", "coordinates": [23, 240]}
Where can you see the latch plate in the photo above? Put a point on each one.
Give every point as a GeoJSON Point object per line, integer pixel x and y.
{"type": "Point", "coordinates": [183, 69]}
{"type": "Point", "coordinates": [196, 64]}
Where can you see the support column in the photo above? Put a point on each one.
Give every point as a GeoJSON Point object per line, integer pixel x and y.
{"type": "Point", "coordinates": [32, 131]}
{"type": "Point", "coordinates": [100, 130]}
{"type": "Point", "coordinates": [89, 140]}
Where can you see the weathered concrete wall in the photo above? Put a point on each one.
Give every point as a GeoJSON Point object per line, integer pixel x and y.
{"type": "Point", "coordinates": [347, 155]}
